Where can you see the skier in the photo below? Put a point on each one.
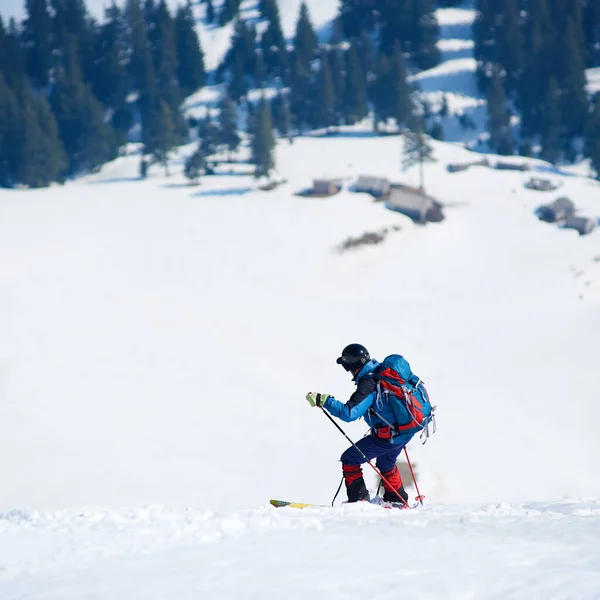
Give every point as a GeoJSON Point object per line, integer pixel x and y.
{"type": "Point", "coordinates": [383, 443]}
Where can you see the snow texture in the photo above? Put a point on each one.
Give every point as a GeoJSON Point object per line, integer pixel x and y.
{"type": "Point", "coordinates": [158, 340]}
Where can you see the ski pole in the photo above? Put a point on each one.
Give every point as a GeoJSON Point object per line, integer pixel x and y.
{"type": "Point", "coordinates": [364, 456]}
{"type": "Point", "coordinates": [419, 498]}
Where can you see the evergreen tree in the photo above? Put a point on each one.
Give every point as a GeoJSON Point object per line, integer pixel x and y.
{"type": "Point", "coordinates": [534, 83]}
{"type": "Point", "coordinates": [210, 12]}
{"type": "Point", "coordinates": [368, 59]}
{"type": "Point", "coordinates": [591, 27]}
{"type": "Point", "coordinates": [417, 149]}
{"type": "Point", "coordinates": [71, 21]}
{"type": "Point", "coordinates": [426, 34]}
{"type": "Point", "coordinates": [229, 11]}
{"type": "Point", "coordinates": [356, 17]}
{"type": "Point", "coordinates": [12, 60]}
{"type": "Point", "coordinates": [141, 66]}
{"type": "Point", "coordinates": [356, 105]}
{"type": "Point", "coordinates": [282, 116]}
{"type": "Point", "coordinates": [40, 159]}
{"type": "Point", "coordinates": [36, 39]}
{"type": "Point", "coordinates": [382, 92]}
{"type": "Point", "coordinates": [240, 59]}
{"type": "Point", "coordinates": [305, 40]}
{"type": "Point", "coordinates": [87, 140]}
{"type": "Point", "coordinates": [402, 105]}
{"type": "Point", "coordinates": [272, 41]}
{"type": "Point", "coordinates": [301, 100]}
{"type": "Point", "coordinates": [194, 165]}
{"type": "Point", "coordinates": [591, 148]}
{"type": "Point", "coordinates": [437, 131]}
{"type": "Point", "coordinates": [337, 63]}
{"type": "Point", "coordinates": [500, 140]}
{"type": "Point", "coordinates": [324, 115]}
{"type": "Point", "coordinates": [510, 43]}
{"type": "Point", "coordinates": [160, 135]}
{"type": "Point", "coordinates": [574, 100]}
{"type": "Point", "coordinates": [9, 135]}
{"type": "Point", "coordinates": [551, 128]}
{"type": "Point", "coordinates": [262, 141]}
{"type": "Point", "coordinates": [397, 23]}
{"type": "Point", "coordinates": [228, 132]}
{"type": "Point", "coordinates": [209, 135]}
{"type": "Point", "coordinates": [190, 57]}
{"type": "Point", "coordinates": [111, 82]}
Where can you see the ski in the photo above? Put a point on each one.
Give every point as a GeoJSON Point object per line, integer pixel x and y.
{"type": "Point", "coordinates": [376, 501]}
{"type": "Point", "coordinates": [282, 503]}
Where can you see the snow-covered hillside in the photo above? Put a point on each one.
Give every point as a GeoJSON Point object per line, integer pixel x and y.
{"type": "Point", "coordinates": [482, 552]}
{"type": "Point", "coordinates": [157, 341]}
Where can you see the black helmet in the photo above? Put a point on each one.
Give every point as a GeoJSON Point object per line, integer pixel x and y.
{"type": "Point", "coordinates": [353, 357]}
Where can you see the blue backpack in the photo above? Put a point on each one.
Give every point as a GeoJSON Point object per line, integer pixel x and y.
{"type": "Point", "coordinates": [407, 396]}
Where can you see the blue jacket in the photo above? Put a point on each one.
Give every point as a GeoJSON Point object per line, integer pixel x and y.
{"type": "Point", "coordinates": [363, 399]}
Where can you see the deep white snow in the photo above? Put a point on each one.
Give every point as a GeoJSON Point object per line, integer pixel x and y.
{"type": "Point", "coordinates": [157, 341]}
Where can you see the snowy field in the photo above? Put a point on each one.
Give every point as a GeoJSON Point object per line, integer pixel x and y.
{"type": "Point", "coordinates": [157, 341]}
{"type": "Point", "coordinates": [468, 552]}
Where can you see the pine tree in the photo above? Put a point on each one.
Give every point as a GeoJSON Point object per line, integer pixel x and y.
{"type": "Point", "coordinates": [357, 16]}
{"type": "Point", "coordinates": [305, 40]}
{"type": "Point", "coordinates": [272, 41]}
{"type": "Point", "coordinates": [208, 132]}
{"type": "Point", "coordinates": [40, 159]}
{"type": "Point", "coordinates": [160, 135]}
{"type": "Point", "coordinates": [210, 12]}
{"type": "Point", "coordinates": [9, 134]}
{"type": "Point", "coordinates": [534, 83]}
{"type": "Point", "coordinates": [437, 131]}
{"type": "Point", "coordinates": [417, 149]}
{"type": "Point", "coordinates": [262, 141]}
{"type": "Point", "coordinates": [510, 43]}
{"type": "Point", "coordinates": [282, 116]}
{"type": "Point", "coordinates": [36, 38]}
{"type": "Point", "coordinates": [382, 92]}
{"type": "Point", "coordinates": [111, 83]}
{"type": "Point", "coordinates": [72, 21]}
{"type": "Point", "coordinates": [500, 140]}
{"type": "Point", "coordinates": [240, 59]}
{"type": "Point", "coordinates": [427, 32]}
{"type": "Point", "coordinates": [228, 133]}
{"type": "Point", "coordinates": [229, 11]}
{"type": "Point", "coordinates": [141, 66]}
{"type": "Point", "coordinates": [87, 140]}
{"type": "Point", "coordinates": [337, 63]}
{"type": "Point", "coordinates": [325, 116]}
{"type": "Point", "coordinates": [356, 105]}
{"type": "Point", "coordinates": [190, 57]}
{"type": "Point", "coordinates": [591, 27]}
{"type": "Point", "coordinates": [397, 23]}
{"type": "Point", "coordinates": [12, 60]}
{"type": "Point", "coordinates": [301, 100]}
{"type": "Point", "coordinates": [591, 148]}
{"type": "Point", "coordinates": [402, 104]}
{"type": "Point", "coordinates": [551, 128]}
{"type": "Point", "coordinates": [574, 100]}
{"type": "Point", "coordinates": [194, 165]}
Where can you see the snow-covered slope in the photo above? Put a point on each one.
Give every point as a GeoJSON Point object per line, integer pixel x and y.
{"type": "Point", "coordinates": [532, 551]}
{"type": "Point", "coordinates": [158, 339]}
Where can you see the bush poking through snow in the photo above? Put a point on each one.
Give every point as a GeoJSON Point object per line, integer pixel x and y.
{"type": "Point", "coordinates": [369, 238]}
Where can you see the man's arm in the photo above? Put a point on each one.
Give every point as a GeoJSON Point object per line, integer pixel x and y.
{"type": "Point", "coordinates": [357, 405]}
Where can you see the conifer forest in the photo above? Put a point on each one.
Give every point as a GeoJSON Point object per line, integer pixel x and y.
{"type": "Point", "coordinates": [74, 89]}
